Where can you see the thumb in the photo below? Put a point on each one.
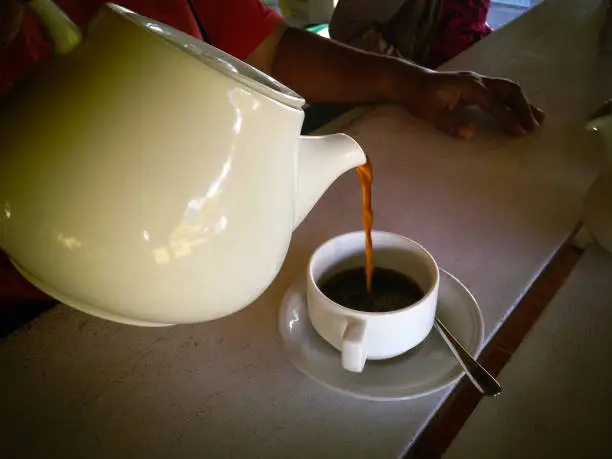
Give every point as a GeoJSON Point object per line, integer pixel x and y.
{"type": "Point", "coordinates": [450, 123]}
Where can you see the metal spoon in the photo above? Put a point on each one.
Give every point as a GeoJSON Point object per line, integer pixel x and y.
{"type": "Point", "coordinates": [481, 378]}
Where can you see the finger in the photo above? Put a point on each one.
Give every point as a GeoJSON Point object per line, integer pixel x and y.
{"type": "Point", "coordinates": [477, 93]}
{"type": "Point", "coordinates": [538, 114]}
{"type": "Point", "coordinates": [449, 123]}
{"type": "Point", "coordinates": [512, 95]}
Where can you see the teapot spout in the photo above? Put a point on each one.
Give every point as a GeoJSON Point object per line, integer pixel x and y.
{"type": "Point", "coordinates": [321, 160]}
{"type": "Point", "coordinates": [64, 33]}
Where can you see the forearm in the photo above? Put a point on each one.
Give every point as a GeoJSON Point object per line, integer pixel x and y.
{"type": "Point", "coordinates": [323, 70]}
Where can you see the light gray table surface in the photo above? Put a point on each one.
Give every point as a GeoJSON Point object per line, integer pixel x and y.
{"type": "Point", "coordinates": [557, 400]}
{"type": "Point", "coordinates": [493, 211]}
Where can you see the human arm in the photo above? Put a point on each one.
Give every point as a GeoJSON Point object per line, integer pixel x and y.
{"type": "Point", "coordinates": [322, 70]}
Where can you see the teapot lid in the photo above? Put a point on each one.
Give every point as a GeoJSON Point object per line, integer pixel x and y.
{"type": "Point", "coordinates": [216, 59]}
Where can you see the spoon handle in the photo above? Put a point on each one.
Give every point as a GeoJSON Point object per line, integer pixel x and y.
{"type": "Point", "coordinates": [480, 377]}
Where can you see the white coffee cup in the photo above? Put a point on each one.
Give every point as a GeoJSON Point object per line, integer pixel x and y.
{"type": "Point", "coordinates": [362, 336]}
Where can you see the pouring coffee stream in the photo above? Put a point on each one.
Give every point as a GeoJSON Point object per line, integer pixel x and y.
{"type": "Point", "coordinates": [365, 174]}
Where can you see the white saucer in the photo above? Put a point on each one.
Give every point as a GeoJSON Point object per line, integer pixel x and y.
{"type": "Point", "coordinates": [423, 370]}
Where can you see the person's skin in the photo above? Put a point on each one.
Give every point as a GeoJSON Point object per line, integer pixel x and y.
{"type": "Point", "coordinates": [322, 70]}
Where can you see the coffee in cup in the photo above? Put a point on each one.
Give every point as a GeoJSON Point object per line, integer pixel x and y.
{"type": "Point", "coordinates": [393, 317]}
{"type": "Point", "coordinates": [390, 290]}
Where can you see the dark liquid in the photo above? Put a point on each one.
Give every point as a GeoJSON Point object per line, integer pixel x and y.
{"type": "Point", "coordinates": [365, 178]}
{"type": "Point", "coordinates": [390, 290]}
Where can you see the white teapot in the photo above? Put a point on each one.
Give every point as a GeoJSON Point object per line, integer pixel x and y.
{"type": "Point", "coordinates": [148, 178]}
{"type": "Point", "coordinates": [598, 203]}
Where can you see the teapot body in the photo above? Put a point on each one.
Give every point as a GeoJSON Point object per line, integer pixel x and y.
{"type": "Point", "coordinates": [142, 186]}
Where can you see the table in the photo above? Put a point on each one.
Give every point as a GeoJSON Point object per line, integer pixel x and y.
{"type": "Point", "coordinates": [557, 400]}
{"type": "Point", "coordinates": [493, 211]}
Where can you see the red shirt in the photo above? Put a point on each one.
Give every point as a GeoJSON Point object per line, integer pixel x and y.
{"type": "Point", "coordinates": [462, 23]}
{"type": "Point", "coordinates": [235, 26]}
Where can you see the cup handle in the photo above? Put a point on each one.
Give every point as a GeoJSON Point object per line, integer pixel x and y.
{"type": "Point", "coordinates": [353, 349]}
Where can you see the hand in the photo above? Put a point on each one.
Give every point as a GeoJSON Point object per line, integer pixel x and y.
{"type": "Point", "coordinates": [438, 94]}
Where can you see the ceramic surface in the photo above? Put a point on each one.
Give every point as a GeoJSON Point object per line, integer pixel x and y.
{"type": "Point", "coordinates": [423, 370]}
{"type": "Point", "coordinates": [362, 336]}
{"type": "Point", "coordinates": [598, 210]}
{"type": "Point", "coordinates": [150, 178]}
{"type": "Point", "coordinates": [598, 201]}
